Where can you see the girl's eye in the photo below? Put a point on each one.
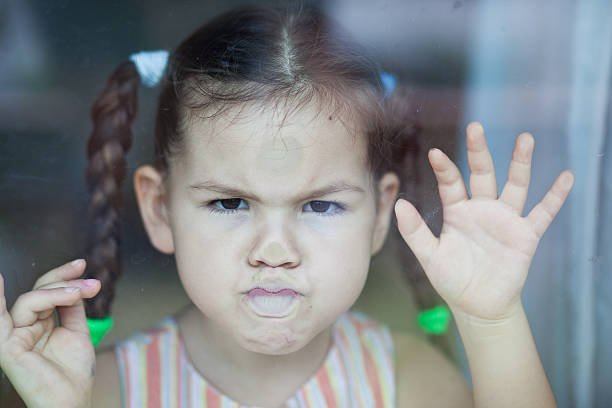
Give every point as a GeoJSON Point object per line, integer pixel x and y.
{"type": "Point", "coordinates": [228, 205]}
{"type": "Point", "coordinates": [233, 205]}
{"type": "Point", "coordinates": [323, 207]}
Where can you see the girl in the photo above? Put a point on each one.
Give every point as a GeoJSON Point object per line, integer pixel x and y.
{"type": "Point", "coordinates": [275, 176]}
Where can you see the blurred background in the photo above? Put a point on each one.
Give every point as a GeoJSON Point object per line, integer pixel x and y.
{"type": "Point", "coordinates": [542, 67]}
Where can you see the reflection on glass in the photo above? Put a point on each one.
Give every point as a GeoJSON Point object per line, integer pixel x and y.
{"type": "Point", "coordinates": [259, 229]}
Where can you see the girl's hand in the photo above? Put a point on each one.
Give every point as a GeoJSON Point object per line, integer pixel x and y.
{"type": "Point", "coordinates": [480, 262]}
{"type": "Point", "coordinates": [50, 366]}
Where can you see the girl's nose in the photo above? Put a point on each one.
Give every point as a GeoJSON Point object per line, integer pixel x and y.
{"type": "Point", "coordinates": [274, 253]}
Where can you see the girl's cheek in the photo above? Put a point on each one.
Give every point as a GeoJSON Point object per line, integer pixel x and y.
{"type": "Point", "coordinates": [222, 222]}
{"type": "Point", "coordinates": [336, 225]}
{"type": "Point", "coordinates": [322, 229]}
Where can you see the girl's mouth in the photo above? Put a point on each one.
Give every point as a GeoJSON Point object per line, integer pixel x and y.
{"type": "Point", "coordinates": [268, 303]}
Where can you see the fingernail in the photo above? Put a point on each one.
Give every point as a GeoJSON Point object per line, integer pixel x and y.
{"type": "Point", "coordinates": [90, 282]}
{"type": "Point", "coordinates": [76, 262]}
{"type": "Point", "coordinates": [568, 179]}
{"type": "Point", "coordinates": [435, 150]}
{"type": "Point", "coordinates": [71, 289]}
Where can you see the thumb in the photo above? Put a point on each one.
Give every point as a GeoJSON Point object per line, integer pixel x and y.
{"type": "Point", "coordinates": [415, 232]}
{"type": "Point", "coordinates": [73, 317]}
{"type": "Point", "coordinates": [6, 322]}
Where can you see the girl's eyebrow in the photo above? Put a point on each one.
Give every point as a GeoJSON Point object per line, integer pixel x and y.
{"type": "Point", "coordinates": [335, 187]}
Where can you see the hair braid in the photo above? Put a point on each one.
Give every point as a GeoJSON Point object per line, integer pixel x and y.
{"type": "Point", "coordinates": [112, 115]}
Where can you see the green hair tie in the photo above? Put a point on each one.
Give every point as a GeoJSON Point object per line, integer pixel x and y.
{"type": "Point", "coordinates": [98, 328]}
{"type": "Point", "coordinates": [434, 320]}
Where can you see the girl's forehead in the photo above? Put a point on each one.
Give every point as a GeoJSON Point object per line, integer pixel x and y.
{"type": "Point", "coordinates": [272, 142]}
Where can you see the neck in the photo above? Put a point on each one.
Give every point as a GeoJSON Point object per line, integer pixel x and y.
{"type": "Point", "coordinates": [248, 377]}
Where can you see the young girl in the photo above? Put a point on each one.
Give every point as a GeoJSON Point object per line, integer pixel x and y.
{"type": "Point", "coordinates": [275, 176]}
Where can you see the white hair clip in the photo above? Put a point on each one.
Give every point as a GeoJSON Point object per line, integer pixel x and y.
{"type": "Point", "coordinates": [150, 65]}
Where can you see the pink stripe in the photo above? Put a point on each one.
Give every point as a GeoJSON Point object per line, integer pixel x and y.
{"type": "Point", "coordinates": [128, 388]}
{"type": "Point", "coordinates": [339, 379]}
{"type": "Point", "coordinates": [177, 372]}
{"type": "Point", "coordinates": [213, 400]}
{"type": "Point", "coordinates": [355, 366]}
{"type": "Point", "coordinates": [350, 376]}
{"type": "Point", "coordinates": [180, 366]}
{"type": "Point", "coordinates": [190, 403]}
{"type": "Point", "coordinates": [326, 388]}
{"type": "Point", "coordinates": [372, 373]}
{"type": "Point", "coordinates": [153, 373]}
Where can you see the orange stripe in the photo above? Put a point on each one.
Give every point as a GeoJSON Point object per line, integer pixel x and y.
{"type": "Point", "coordinates": [361, 326]}
{"type": "Point", "coordinates": [326, 387]}
{"type": "Point", "coordinates": [213, 399]}
{"type": "Point", "coordinates": [372, 372]}
{"type": "Point", "coordinates": [188, 379]}
{"type": "Point", "coordinates": [347, 346]}
{"type": "Point", "coordinates": [177, 376]}
{"type": "Point", "coordinates": [153, 373]}
{"type": "Point", "coordinates": [126, 375]}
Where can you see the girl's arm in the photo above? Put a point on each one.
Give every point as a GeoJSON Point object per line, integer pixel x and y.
{"type": "Point", "coordinates": [479, 264]}
{"type": "Point", "coordinates": [425, 378]}
{"type": "Point", "coordinates": [504, 362]}
{"type": "Point", "coordinates": [107, 388]}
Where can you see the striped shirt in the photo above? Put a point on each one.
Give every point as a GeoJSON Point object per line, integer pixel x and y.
{"type": "Point", "coordinates": [357, 372]}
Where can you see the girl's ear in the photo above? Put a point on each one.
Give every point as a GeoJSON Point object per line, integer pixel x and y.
{"type": "Point", "coordinates": [150, 193]}
{"type": "Point", "coordinates": [388, 187]}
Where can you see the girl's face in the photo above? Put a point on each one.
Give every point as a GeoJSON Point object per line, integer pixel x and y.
{"type": "Point", "coordinates": [272, 222]}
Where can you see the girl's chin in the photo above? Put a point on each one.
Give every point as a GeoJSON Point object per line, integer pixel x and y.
{"type": "Point", "coordinates": [276, 341]}
{"type": "Point", "coordinates": [273, 345]}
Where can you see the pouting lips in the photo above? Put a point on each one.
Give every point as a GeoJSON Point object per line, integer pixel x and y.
{"type": "Point", "coordinates": [264, 292]}
{"type": "Point", "coordinates": [272, 304]}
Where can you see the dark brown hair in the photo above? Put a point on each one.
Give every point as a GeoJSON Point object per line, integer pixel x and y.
{"type": "Point", "coordinates": [276, 57]}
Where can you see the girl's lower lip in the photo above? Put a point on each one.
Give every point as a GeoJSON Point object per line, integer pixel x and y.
{"type": "Point", "coordinates": [272, 304]}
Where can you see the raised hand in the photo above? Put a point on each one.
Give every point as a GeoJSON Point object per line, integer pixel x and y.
{"type": "Point", "coordinates": [49, 365]}
{"type": "Point", "coordinates": [479, 263]}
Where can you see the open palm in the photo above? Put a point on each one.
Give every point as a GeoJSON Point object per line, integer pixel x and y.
{"type": "Point", "coordinates": [479, 263]}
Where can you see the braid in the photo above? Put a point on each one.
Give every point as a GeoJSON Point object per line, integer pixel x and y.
{"type": "Point", "coordinates": [112, 115]}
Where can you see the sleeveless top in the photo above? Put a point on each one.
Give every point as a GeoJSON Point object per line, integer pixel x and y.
{"type": "Point", "coordinates": [357, 372]}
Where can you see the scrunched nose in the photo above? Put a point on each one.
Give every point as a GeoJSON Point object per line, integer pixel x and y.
{"type": "Point", "coordinates": [274, 253]}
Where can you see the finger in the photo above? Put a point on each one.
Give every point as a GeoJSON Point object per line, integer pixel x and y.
{"type": "Point", "coordinates": [515, 190]}
{"type": "Point", "coordinates": [6, 322]}
{"type": "Point", "coordinates": [542, 214]}
{"type": "Point", "coordinates": [89, 287]}
{"type": "Point", "coordinates": [482, 173]}
{"type": "Point", "coordinates": [67, 271]}
{"type": "Point", "coordinates": [450, 184]}
{"type": "Point", "coordinates": [28, 306]}
{"type": "Point", "coordinates": [73, 317]}
{"type": "Point", "coordinates": [415, 232]}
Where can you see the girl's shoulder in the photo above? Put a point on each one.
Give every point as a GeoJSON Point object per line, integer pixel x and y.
{"type": "Point", "coordinates": [107, 388]}
{"type": "Point", "coordinates": [355, 323]}
{"type": "Point", "coordinates": [107, 392]}
{"type": "Point", "coordinates": [425, 377]}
